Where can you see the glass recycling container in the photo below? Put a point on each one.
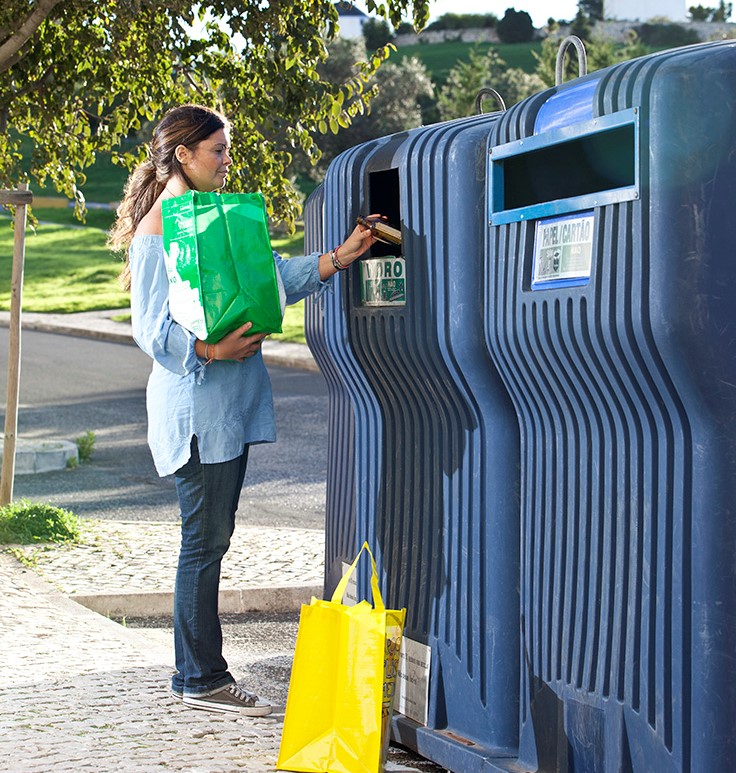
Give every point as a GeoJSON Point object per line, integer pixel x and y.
{"type": "Point", "coordinates": [423, 456]}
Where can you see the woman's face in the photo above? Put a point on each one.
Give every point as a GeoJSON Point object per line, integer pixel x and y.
{"type": "Point", "coordinates": [207, 163]}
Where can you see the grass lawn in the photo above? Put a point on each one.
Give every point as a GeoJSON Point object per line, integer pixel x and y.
{"type": "Point", "coordinates": [293, 324]}
{"type": "Point", "coordinates": [96, 218]}
{"type": "Point", "coordinates": [105, 181]}
{"type": "Point", "coordinates": [440, 58]}
{"type": "Point", "coordinates": [66, 270]}
{"type": "Point", "coordinates": [69, 269]}
{"type": "Point", "coordinates": [104, 184]}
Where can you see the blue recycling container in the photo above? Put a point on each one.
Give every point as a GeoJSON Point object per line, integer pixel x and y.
{"type": "Point", "coordinates": [423, 457]}
{"type": "Point", "coordinates": [611, 315]}
{"type": "Point", "coordinates": [324, 343]}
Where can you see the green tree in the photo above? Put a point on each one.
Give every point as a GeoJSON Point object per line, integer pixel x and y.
{"type": "Point", "coordinates": [464, 21]}
{"type": "Point", "coordinates": [457, 97]}
{"type": "Point", "coordinates": [723, 12]}
{"type": "Point", "coordinates": [76, 78]}
{"type": "Point", "coordinates": [700, 13]}
{"type": "Point", "coordinates": [515, 27]}
{"type": "Point", "coordinates": [581, 25]}
{"type": "Point", "coordinates": [593, 9]}
{"type": "Point", "coordinates": [377, 33]}
{"type": "Point", "coordinates": [400, 92]}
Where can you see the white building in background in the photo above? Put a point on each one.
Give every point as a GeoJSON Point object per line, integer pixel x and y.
{"type": "Point", "coordinates": [351, 20]}
{"type": "Point", "coordinates": [644, 10]}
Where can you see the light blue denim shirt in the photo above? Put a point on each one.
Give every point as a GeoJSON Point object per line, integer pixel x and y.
{"type": "Point", "coordinates": [225, 404]}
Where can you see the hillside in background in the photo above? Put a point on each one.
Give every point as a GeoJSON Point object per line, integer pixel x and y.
{"type": "Point", "coordinates": [440, 58]}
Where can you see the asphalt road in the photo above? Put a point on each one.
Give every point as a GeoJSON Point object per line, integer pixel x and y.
{"type": "Point", "coordinates": [71, 385]}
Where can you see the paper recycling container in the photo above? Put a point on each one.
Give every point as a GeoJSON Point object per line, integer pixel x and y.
{"type": "Point", "coordinates": [611, 314]}
{"type": "Point", "coordinates": [423, 437]}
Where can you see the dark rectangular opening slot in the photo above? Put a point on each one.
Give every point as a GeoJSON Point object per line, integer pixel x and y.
{"type": "Point", "coordinates": [590, 164]}
{"type": "Point", "coordinates": [384, 198]}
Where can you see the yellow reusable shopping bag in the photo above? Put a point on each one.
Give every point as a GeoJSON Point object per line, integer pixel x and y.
{"type": "Point", "coordinates": [343, 681]}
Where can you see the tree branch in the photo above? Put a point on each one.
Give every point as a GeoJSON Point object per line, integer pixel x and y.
{"type": "Point", "coordinates": [32, 86]}
{"type": "Point", "coordinates": [20, 37]}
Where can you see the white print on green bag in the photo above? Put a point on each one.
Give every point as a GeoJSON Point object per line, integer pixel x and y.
{"type": "Point", "coordinates": [185, 303]}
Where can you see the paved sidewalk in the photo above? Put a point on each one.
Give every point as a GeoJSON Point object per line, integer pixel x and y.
{"type": "Point", "coordinates": [79, 692]}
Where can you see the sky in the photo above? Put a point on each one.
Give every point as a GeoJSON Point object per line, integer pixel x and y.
{"type": "Point", "coordinates": [539, 10]}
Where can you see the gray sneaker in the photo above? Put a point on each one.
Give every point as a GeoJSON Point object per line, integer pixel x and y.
{"type": "Point", "coordinates": [231, 699]}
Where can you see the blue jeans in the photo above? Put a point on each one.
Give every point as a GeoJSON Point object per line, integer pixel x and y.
{"type": "Point", "coordinates": [208, 498]}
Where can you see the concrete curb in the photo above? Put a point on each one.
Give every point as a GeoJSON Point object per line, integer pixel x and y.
{"type": "Point", "coordinates": [232, 601]}
{"type": "Point", "coordinates": [100, 325]}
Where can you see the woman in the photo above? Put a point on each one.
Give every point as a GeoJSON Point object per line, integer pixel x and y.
{"type": "Point", "coordinates": [206, 403]}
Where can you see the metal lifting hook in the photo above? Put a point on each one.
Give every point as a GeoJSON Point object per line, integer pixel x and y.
{"type": "Point", "coordinates": [487, 91]}
{"type": "Point", "coordinates": [571, 40]}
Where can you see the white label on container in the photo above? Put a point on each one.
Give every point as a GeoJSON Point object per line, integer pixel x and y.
{"type": "Point", "coordinates": [383, 281]}
{"type": "Point", "coordinates": [563, 250]}
{"type": "Point", "coordinates": [350, 598]}
{"type": "Point", "coordinates": [413, 683]}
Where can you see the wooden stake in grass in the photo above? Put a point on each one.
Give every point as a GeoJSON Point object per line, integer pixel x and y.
{"type": "Point", "coordinates": [20, 199]}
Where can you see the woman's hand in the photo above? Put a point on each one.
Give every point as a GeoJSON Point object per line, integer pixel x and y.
{"type": "Point", "coordinates": [360, 240]}
{"type": "Point", "coordinates": [234, 346]}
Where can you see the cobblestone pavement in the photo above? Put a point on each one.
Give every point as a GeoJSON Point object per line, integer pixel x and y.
{"type": "Point", "coordinates": [136, 557]}
{"type": "Point", "coordinates": [92, 694]}
{"type": "Point", "coordinates": [79, 692]}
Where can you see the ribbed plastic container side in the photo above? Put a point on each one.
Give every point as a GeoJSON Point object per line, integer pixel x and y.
{"type": "Point", "coordinates": [610, 479]}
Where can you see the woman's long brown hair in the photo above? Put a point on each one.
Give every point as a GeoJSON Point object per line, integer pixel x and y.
{"type": "Point", "coordinates": [185, 125]}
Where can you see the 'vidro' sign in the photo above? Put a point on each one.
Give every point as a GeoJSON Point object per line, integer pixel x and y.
{"type": "Point", "coordinates": [383, 281]}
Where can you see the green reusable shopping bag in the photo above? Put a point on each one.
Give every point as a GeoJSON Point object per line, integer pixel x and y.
{"type": "Point", "coordinates": [220, 264]}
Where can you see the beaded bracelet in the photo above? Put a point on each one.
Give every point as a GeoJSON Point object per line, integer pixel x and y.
{"type": "Point", "coordinates": [335, 262]}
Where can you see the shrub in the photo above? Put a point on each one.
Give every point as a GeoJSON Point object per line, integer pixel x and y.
{"type": "Point", "coordinates": [464, 21]}
{"type": "Point", "coordinates": [26, 522]}
{"type": "Point", "coordinates": [581, 26]}
{"type": "Point", "coordinates": [457, 97]}
{"type": "Point", "coordinates": [666, 35]}
{"type": "Point", "coordinates": [405, 28]}
{"type": "Point", "coordinates": [601, 53]}
{"type": "Point", "coordinates": [700, 13]}
{"type": "Point", "coordinates": [85, 446]}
